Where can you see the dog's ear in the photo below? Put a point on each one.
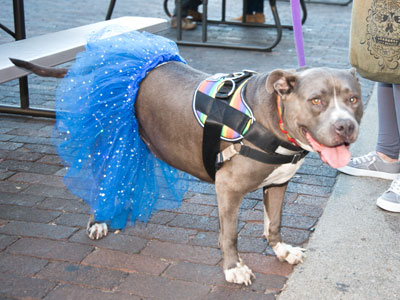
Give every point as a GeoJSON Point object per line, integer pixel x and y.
{"type": "Point", "coordinates": [353, 71]}
{"type": "Point", "coordinates": [280, 81]}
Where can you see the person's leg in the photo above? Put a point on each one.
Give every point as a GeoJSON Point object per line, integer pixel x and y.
{"type": "Point", "coordinates": [388, 112]}
{"type": "Point", "coordinates": [396, 95]}
{"type": "Point", "coordinates": [251, 6]}
{"type": "Point", "coordinates": [185, 7]}
{"type": "Point", "coordinates": [193, 4]}
{"type": "Point", "coordinates": [390, 200]}
{"type": "Point", "coordinates": [383, 162]}
{"type": "Point", "coordinates": [259, 11]}
{"type": "Point", "coordinates": [249, 13]}
{"type": "Point", "coordinates": [259, 6]}
{"type": "Point", "coordinates": [193, 10]}
{"type": "Point", "coordinates": [186, 24]}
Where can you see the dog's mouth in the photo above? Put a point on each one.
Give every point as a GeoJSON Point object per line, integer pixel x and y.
{"type": "Point", "coordinates": [337, 156]}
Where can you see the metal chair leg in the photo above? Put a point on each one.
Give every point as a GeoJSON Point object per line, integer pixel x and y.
{"type": "Point", "coordinates": [166, 10]}
{"type": "Point", "coordinates": [204, 21]}
{"type": "Point", "coordinates": [179, 19]}
{"type": "Point", "coordinates": [110, 9]}
{"type": "Point", "coordinates": [304, 9]}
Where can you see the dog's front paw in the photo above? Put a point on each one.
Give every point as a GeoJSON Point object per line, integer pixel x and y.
{"type": "Point", "coordinates": [240, 274]}
{"type": "Point", "coordinates": [285, 252]}
{"type": "Point", "coordinates": [96, 231]}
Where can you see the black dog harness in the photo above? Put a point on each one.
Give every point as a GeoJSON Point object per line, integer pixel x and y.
{"type": "Point", "coordinates": [219, 106]}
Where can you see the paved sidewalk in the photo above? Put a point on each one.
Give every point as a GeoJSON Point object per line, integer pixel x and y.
{"type": "Point", "coordinates": [44, 253]}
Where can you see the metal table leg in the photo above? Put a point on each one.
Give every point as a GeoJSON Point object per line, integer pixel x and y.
{"type": "Point", "coordinates": [223, 13]}
{"type": "Point", "coordinates": [7, 30]}
{"type": "Point", "coordinates": [277, 25]}
{"type": "Point", "coordinates": [325, 2]}
{"type": "Point", "coordinates": [110, 9]}
{"type": "Point", "coordinates": [243, 22]}
{"type": "Point", "coordinates": [330, 3]}
{"type": "Point", "coordinates": [20, 34]}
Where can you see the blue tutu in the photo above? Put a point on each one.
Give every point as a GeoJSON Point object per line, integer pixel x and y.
{"type": "Point", "coordinates": [109, 166]}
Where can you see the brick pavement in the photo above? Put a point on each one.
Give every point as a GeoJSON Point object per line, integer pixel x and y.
{"type": "Point", "coordinates": [44, 253]}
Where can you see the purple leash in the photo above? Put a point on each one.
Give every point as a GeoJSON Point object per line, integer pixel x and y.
{"type": "Point", "coordinates": [298, 33]}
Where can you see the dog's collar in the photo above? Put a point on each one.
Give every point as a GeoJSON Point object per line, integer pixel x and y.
{"type": "Point", "coordinates": [281, 124]}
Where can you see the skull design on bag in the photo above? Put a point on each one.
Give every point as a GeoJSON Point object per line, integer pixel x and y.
{"type": "Point", "coordinates": [383, 32]}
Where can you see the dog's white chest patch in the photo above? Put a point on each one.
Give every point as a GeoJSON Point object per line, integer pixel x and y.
{"type": "Point", "coordinates": [282, 174]}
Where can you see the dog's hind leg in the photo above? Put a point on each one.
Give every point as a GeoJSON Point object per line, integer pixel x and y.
{"type": "Point", "coordinates": [273, 201]}
{"type": "Point", "coordinates": [228, 208]}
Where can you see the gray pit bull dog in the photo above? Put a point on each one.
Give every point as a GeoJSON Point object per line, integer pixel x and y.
{"type": "Point", "coordinates": [321, 109]}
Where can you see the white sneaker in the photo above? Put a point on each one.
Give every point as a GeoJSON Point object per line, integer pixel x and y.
{"type": "Point", "coordinates": [372, 165]}
{"type": "Point", "coordinates": [390, 200]}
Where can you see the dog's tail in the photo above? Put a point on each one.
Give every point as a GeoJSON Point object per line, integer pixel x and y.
{"type": "Point", "coordinates": [39, 70]}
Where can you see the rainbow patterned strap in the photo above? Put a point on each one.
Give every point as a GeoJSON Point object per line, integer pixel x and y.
{"type": "Point", "coordinates": [210, 87]}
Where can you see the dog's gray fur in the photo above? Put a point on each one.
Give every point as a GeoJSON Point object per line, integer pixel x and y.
{"type": "Point", "coordinates": [167, 124]}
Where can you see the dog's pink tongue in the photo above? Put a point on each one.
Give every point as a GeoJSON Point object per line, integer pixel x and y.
{"type": "Point", "coordinates": [336, 157]}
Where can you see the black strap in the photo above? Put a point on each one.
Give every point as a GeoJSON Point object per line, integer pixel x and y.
{"type": "Point", "coordinates": [220, 113]}
{"type": "Point", "coordinates": [271, 158]}
{"type": "Point", "coordinates": [266, 140]}
{"type": "Point", "coordinates": [212, 135]}
{"type": "Point", "coordinates": [262, 138]}
{"type": "Point", "coordinates": [232, 117]}
{"type": "Point", "coordinates": [236, 120]}
{"type": "Point", "coordinates": [211, 145]}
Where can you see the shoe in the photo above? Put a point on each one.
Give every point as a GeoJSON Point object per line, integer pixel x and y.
{"type": "Point", "coordinates": [249, 19]}
{"type": "Point", "coordinates": [186, 24]}
{"type": "Point", "coordinates": [390, 200]}
{"type": "Point", "coordinates": [196, 16]}
{"type": "Point", "coordinates": [372, 165]}
{"type": "Point", "coordinates": [259, 18]}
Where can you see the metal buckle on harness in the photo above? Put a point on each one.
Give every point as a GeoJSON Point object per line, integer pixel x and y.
{"type": "Point", "coordinates": [219, 161]}
{"type": "Point", "coordinates": [240, 75]}
{"type": "Point", "coordinates": [237, 75]}
{"type": "Point", "coordinates": [220, 158]}
{"type": "Point", "coordinates": [225, 95]}
{"type": "Point", "coordinates": [225, 155]}
{"type": "Point", "coordinates": [296, 158]}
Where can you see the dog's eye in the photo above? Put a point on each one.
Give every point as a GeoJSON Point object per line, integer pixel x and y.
{"type": "Point", "coordinates": [353, 100]}
{"type": "Point", "coordinates": [316, 101]}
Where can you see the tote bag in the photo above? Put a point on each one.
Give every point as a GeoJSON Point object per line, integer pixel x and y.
{"type": "Point", "coordinates": [375, 39]}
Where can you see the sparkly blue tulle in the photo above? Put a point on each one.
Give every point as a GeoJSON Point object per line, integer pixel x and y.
{"type": "Point", "coordinates": [109, 166]}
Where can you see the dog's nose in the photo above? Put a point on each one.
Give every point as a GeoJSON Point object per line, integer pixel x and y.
{"type": "Point", "coordinates": [344, 128]}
